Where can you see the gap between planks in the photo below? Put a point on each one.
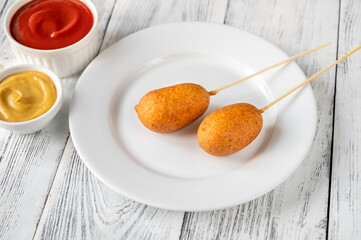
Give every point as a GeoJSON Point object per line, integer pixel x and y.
{"type": "Point", "coordinates": [67, 140]}
{"type": "Point", "coordinates": [51, 186]}
{"type": "Point", "coordinates": [185, 213]}
{"type": "Point", "coordinates": [333, 124]}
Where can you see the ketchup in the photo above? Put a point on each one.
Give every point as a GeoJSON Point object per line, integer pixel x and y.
{"type": "Point", "coordinates": [51, 24]}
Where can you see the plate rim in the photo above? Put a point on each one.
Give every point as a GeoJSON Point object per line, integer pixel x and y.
{"type": "Point", "coordinates": [232, 203]}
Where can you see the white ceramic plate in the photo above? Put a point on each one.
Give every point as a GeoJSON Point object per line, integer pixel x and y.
{"type": "Point", "coordinates": [170, 171]}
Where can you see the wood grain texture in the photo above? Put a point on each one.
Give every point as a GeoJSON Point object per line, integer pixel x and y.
{"type": "Point", "coordinates": [6, 56]}
{"type": "Point", "coordinates": [80, 206]}
{"type": "Point", "coordinates": [28, 163]}
{"type": "Point", "coordinates": [137, 15]}
{"type": "Point", "coordinates": [297, 209]}
{"type": "Point", "coordinates": [345, 204]}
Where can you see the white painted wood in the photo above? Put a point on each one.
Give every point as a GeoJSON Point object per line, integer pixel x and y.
{"type": "Point", "coordinates": [6, 56]}
{"type": "Point", "coordinates": [137, 15]}
{"type": "Point", "coordinates": [80, 206]}
{"type": "Point", "coordinates": [297, 209]}
{"type": "Point", "coordinates": [28, 163]}
{"type": "Point", "coordinates": [345, 204]}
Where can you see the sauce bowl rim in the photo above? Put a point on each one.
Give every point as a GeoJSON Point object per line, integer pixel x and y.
{"type": "Point", "coordinates": [55, 79]}
{"type": "Point", "coordinates": [18, 4]}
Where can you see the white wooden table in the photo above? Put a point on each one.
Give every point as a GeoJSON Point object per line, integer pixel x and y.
{"type": "Point", "coordinates": [46, 192]}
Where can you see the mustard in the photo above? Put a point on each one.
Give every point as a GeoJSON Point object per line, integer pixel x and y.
{"type": "Point", "coordinates": [25, 96]}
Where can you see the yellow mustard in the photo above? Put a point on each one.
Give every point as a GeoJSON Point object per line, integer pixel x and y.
{"type": "Point", "coordinates": [25, 96]}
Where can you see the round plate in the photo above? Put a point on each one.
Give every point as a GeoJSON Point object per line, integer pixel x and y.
{"type": "Point", "coordinates": [171, 171]}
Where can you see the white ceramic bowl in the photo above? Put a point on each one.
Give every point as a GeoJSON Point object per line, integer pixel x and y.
{"type": "Point", "coordinates": [63, 61]}
{"type": "Point", "coordinates": [38, 123]}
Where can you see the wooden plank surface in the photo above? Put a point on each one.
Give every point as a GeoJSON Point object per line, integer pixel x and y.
{"type": "Point", "coordinates": [28, 163]}
{"type": "Point", "coordinates": [131, 16]}
{"type": "Point", "coordinates": [298, 208]}
{"type": "Point", "coordinates": [80, 206]}
{"type": "Point", "coordinates": [345, 205]}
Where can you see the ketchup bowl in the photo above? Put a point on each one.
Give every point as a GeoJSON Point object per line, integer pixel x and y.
{"type": "Point", "coordinates": [37, 123]}
{"type": "Point", "coordinates": [64, 60]}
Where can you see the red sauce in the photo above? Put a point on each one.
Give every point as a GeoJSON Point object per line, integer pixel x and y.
{"type": "Point", "coordinates": [51, 24]}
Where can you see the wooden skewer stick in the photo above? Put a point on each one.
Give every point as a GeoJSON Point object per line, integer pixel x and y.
{"type": "Point", "coordinates": [214, 92]}
{"type": "Point", "coordinates": [310, 79]}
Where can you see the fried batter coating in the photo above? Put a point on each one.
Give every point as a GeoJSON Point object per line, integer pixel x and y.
{"type": "Point", "coordinates": [171, 108]}
{"type": "Point", "coordinates": [229, 129]}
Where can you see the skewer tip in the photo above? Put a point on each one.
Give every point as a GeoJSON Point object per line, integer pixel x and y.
{"type": "Point", "coordinates": [214, 92]}
{"type": "Point", "coordinates": [262, 110]}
